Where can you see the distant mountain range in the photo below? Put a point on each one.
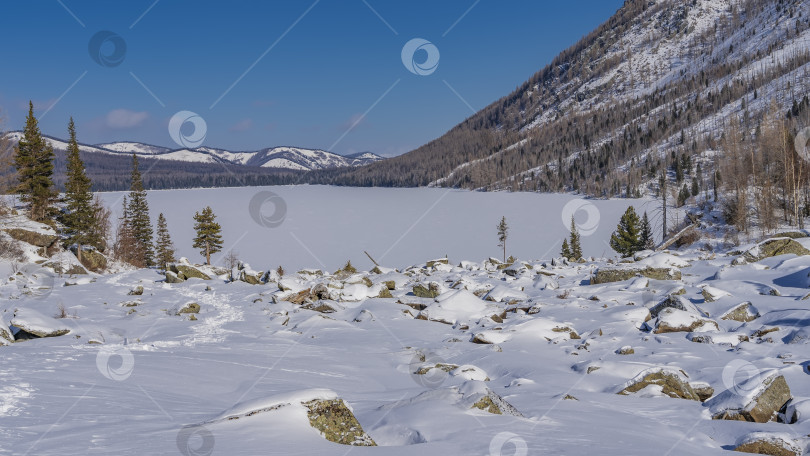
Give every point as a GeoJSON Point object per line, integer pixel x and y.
{"type": "Point", "coordinates": [279, 158]}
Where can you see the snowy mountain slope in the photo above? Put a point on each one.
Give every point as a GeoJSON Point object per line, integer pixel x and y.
{"type": "Point", "coordinates": [620, 96]}
{"type": "Point", "coordinates": [291, 158]}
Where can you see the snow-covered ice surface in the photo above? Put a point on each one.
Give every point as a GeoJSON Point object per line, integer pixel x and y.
{"type": "Point", "coordinates": [322, 227]}
{"type": "Point", "coordinates": [133, 376]}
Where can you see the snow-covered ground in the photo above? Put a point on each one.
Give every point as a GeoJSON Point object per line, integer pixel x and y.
{"type": "Point", "coordinates": [136, 374]}
{"type": "Point", "coordinates": [323, 227]}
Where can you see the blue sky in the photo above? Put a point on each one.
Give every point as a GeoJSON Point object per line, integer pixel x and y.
{"type": "Point", "coordinates": [326, 74]}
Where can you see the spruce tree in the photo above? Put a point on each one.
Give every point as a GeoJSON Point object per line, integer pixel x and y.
{"type": "Point", "coordinates": [646, 240]}
{"type": "Point", "coordinates": [209, 233]}
{"type": "Point", "coordinates": [576, 248]}
{"type": "Point", "coordinates": [127, 248]}
{"type": "Point", "coordinates": [33, 158]}
{"type": "Point", "coordinates": [503, 233]}
{"type": "Point", "coordinates": [625, 240]}
{"type": "Point", "coordinates": [138, 215]}
{"type": "Point", "coordinates": [566, 251]}
{"type": "Point", "coordinates": [81, 214]}
{"type": "Point", "coordinates": [164, 246]}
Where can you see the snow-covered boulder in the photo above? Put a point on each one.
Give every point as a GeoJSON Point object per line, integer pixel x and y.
{"type": "Point", "coordinates": [772, 443]}
{"type": "Point", "coordinates": [674, 320]}
{"type": "Point", "coordinates": [675, 302]}
{"type": "Point", "coordinates": [320, 409]}
{"type": "Point", "coordinates": [458, 306]}
{"type": "Point", "coordinates": [774, 247]}
{"type": "Point", "coordinates": [660, 381]}
{"type": "Point", "coordinates": [505, 293]}
{"type": "Point", "coordinates": [37, 324]}
{"type": "Point", "coordinates": [757, 399]}
{"type": "Point", "coordinates": [476, 395]}
{"type": "Point", "coordinates": [711, 294]}
{"type": "Point", "coordinates": [184, 270]}
{"type": "Point", "coordinates": [743, 313]}
{"type": "Point", "coordinates": [618, 274]}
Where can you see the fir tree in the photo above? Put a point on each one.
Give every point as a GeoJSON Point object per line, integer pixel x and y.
{"type": "Point", "coordinates": [81, 213]}
{"type": "Point", "coordinates": [625, 240]}
{"type": "Point", "coordinates": [566, 251]}
{"type": "Point", "coordinates": [33, 158]}
{"type": "Point", "coordinates": [576, 248]}
{"type": "Point", "coordinates": [503, 233]}
{"type": "Point", "coordinates": [695, 188]}
{"type": "Point", "coordinates": [646, 240]}
{"type": "Point", "coordinates": [163, 246]}
{"type": "Point", "coordinates": [209, 233]}
{"type": "Point", "coordinates": [138, 215]}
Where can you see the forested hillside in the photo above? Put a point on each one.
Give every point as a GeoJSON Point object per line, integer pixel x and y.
{"type": "Point", "coordinates": [660, 83]}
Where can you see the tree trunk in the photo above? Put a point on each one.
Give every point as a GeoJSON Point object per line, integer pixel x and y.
{"type": "Point", "coordinates": [207, 254]}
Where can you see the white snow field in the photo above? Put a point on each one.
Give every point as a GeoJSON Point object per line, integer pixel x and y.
{"type": "Point", "coordinates": [534, 341]}
{"type": "Point", "coordinates": [322, 227]}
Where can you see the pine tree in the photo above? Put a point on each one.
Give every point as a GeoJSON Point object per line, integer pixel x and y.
{"type": "Point", "coordinates": [625, 240]}
{"type": "Point", "coordinates": [164, 245]}
{"type": "Point", "coordinates": [503, 233]}
{"type": "Point", "coordinates": [33, 158]}
{"type": "Point", "coordinates": [138, 212]}
{"type": "Point", "coordinates": [566, 251]}
{"type": "Point", "coordinates": [209, 233]}
{"type": "Point", "coordinates": [81, 213]}
{"type": "Point", "coordinates": [646, 240]}
{"type": "Point", "coordinates": [576, 248]}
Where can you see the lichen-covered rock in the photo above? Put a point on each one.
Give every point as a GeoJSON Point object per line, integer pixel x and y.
{"type": "Point", "coordinates": [190, 308]}
{"type": "Point", "coordinates": [769, 443]}
{"type": "Point", "coordinates": [674, 320]}
{"type": "Point", "coordinates": [774, 247]}
{"type": "Point", "coordinates": [185, 271]}
{"type": "Point", "coordinates": [703, 390]}
{"type": "Point", "coordinates": [675, 302]}
{"type": "Point", "coordinates": [743, 313]}
{"type": "Point", "coordinates": [32, 237]}
{"type": "Point", "coordinates": [672, 382]}
{"type": "Point", "coordinates": [93, 260]}
{"type": "Point", "coordinates": [137, 291]}
{"type": "Point", "coordinates": [431, 291]}
{"type": "Point", "coordinates": [607, 275]}
{"type": "Point", "coordinates": [758, 399]}
{"type": "Point", "coordinates": [171, 277]}
{"type": "Point", "coordinates": [336, 422]}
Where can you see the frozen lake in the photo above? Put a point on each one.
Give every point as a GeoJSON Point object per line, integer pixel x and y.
{"type": "Point", "coordinates": [322, 226]}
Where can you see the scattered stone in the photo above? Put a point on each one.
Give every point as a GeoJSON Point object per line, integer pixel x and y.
{"type": "Point", "coordinates": [569, 397]}
{"type": "Point", "coordinates": [430, 292]}
{"type": "Point", "coordinates": [769, 443]}
{"type": "Point", "coordinates": [674, 320]}
{"type": "Point", "coordinates": [774, 247]}
{"type": "Point", "coordinates": [336, 422]}
{"type": "Point", "coordinates": [673, 383]}
{"type": "Point", "coordinates": [703, 390]}
{"type": "Point", "coordinates": [137, 291]}
{"type": "Point", "coordinates": [743, 313]}
{"type": "Point", "coordinates": [762, 397]}
{"type": "Point", "coordinates": [190, 308]}
{"type": "Point", "coordinates": [626, 350]}
{"type": "Point", "coordinates": [608, 275]}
